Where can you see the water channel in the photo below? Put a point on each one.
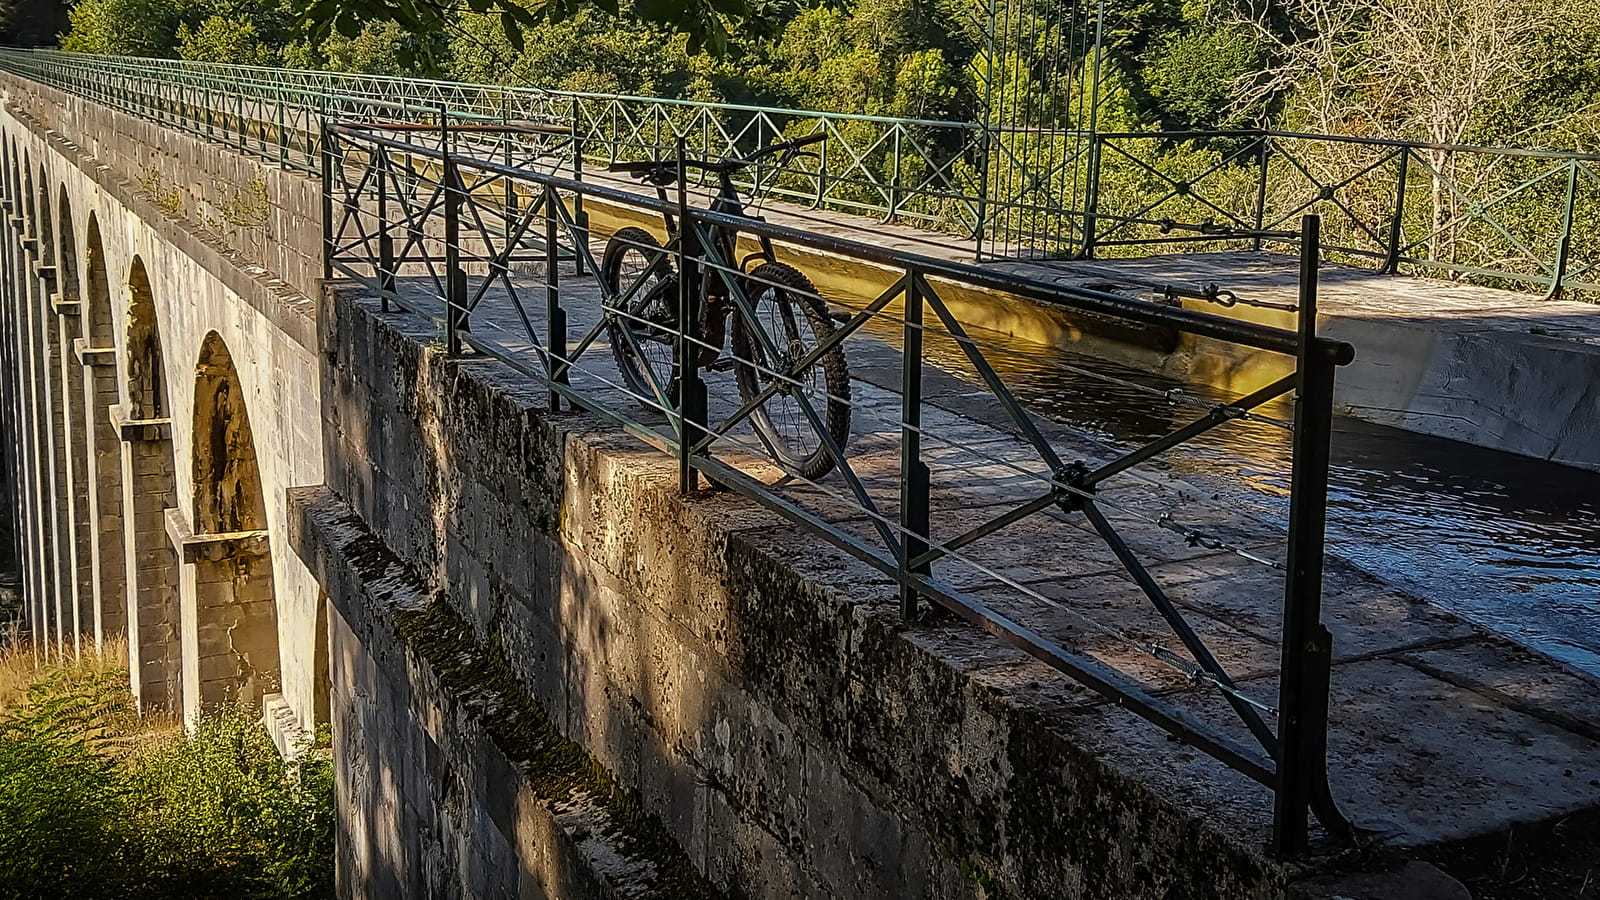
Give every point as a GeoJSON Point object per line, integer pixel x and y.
{"type": "Point", "coordinates": [1506, 541]}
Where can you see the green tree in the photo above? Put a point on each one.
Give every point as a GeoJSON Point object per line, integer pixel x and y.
{"type": "Point", "coordinates": [126, 27]}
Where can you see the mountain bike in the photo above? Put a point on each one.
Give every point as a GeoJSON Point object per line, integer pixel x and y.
{"type": "Point", "coordinates": [641, 284]}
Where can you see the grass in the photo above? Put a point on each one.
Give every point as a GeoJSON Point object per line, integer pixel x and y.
{"type": "Point", "coordinates": [97, 801]}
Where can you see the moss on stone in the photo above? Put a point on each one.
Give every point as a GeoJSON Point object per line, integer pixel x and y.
{"type": "Point", "coordinates": [556, 768]}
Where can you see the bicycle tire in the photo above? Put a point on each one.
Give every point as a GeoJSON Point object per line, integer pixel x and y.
{"type": "Point", "coordinates": [777, 286]}
{"type": "Point", "coordinates": [655, 303]}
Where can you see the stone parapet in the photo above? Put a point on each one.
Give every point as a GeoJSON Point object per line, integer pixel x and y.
{"type": "Point", "coordinates": [760, 697]}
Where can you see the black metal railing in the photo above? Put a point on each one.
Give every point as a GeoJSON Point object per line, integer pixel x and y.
{"type": "Point", "coordinates": [1508, 217]}
{"type": "Point", "coordinates": [432, 221]}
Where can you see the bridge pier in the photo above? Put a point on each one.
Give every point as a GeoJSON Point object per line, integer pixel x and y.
{"type": "Point", "coordinates": [97, 357]}
{"type": "Point", "coordinates": [148, 559]}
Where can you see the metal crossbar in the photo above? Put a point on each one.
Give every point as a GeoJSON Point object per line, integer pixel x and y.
{"type": "Point", "coordinates": [476, 263]}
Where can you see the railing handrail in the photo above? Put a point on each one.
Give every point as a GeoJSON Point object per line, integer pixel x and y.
{"type": "Point", "coordinates": [166, 65]}
{"type": "Point", "coordinates": [1397, 143]}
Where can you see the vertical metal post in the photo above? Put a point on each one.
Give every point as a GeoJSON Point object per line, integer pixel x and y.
{"type": "Point", "coordinates": [455, 294]}
{"type": "Point", "coordinates": [1397, 221]}
{"type": "Point", "coordinates": [283, 137]}
{"type": "Point", "coordinates": [1307, 645]}
{"type": "Point", "coordinates": [1092, 206]}
{"type": "Point", "coordinates": [690, 391]}
{"type": "Point", "coordinates": [1558, 273]}
{"type": "Point", "coordinates": [509, 210]}
{"type": "Point", "coordinates": [1091, 203]}
{"type": "Point", "coordinates": [913, 471]}
{"type": "Point", "coordinates": [990, 134]}
{"type": "Point", "coordinates": [894, 177]}
{"type": "Point", "coordinates": [1265, 156]}
{"type": "Point", "coordinates": [325, 138]}
{"type": "Point", "coordinates": [385, 239]}
{"type": "Point", "coordinates": [579, 216]}
{"type": "Point", "coordinates": [822, 168]}
{"type": "Point", "coordinates": [556, 316]}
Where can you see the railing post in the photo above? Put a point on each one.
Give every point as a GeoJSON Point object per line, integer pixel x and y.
{"type": "Point", "coordinates": [894, 176]}
{"type": "Point", "coordinates": [1564, 245]}
{"type": "Point", "coordinates": [982, 226]}
{"type": "Point", "coordinates": [1397, 221]}
{"type": "Point", "coordinates": [283, 137]}
{"type": "Point", "coordinates": [455, 294]}
{"type": "Point", "coordinates": [914, 476]}
{"type": "Point", "coordinates": [1264, 157]}
{"type": "Point", "coordinates": [690, 392]}
{"type": "Point", "coordinates": [1091, 199]}
{"type": "Point", "coordinates": [579, 216]}
{"type": "Point", "coordinates": [556, 316]}
{"type": "Point", "coordinates": [386, 271]}
{"type": "Point", "coordinates": [326, 141]}
{"type": "Point", "coordinates": [1307, 657]}
{"type": "Point", "coordinates": [822, 168]}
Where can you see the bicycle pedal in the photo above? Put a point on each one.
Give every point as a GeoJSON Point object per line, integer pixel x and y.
{"type": "Point", "coordinates": [722, 364]}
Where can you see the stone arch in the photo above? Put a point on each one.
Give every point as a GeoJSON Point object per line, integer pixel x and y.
{"type": "Point", "coordinates": [67, 272]}
{"type": "Point", "coordinates": [146, 384]}
{"type": "Point", "coordinates": [10, 175]}
{"type": "Point", "coordinates": [25, 192]}
{"type": "Point", "coordinates": [97, 354]}
{"type": "Point", "coordinates": [45, 231]}
{"type": "Point", "coordinates": [235, 652]}
{"type": "Point", "coordinates": [148, 496]}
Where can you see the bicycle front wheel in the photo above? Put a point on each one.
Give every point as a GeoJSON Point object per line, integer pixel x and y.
{"type": "Point", "coordinates": [641, 326]}
{"type": "Point", "coordinates": [793, 319]}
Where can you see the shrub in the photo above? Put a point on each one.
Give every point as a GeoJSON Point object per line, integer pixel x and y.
{"type": "Point", "coordinates": [95, 802]}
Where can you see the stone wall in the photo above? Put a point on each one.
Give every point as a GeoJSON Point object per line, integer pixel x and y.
{"type": "Point", "coordinates": [756, 695]}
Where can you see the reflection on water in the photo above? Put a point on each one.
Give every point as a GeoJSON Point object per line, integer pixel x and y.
{"type": "Point", "coordinates": [1509, 542]}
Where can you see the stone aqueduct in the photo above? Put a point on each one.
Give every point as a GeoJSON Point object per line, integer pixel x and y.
{"type": "Point", "coordinates": [551, 674]}
{"type": "Point", "coordinates": [164, 401]}
{"type": "Point", "coordinates": [546, 674]}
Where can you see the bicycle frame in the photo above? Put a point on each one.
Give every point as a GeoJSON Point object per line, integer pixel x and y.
{"type": "Point", "coordinates": [715, 308]}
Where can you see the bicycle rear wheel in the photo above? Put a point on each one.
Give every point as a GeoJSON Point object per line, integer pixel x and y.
{"type": "Point", "coordinates": [794, 319]}
{"type": "Point", "coordinates": [643, 328]}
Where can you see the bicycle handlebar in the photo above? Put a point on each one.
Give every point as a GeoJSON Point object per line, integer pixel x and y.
{"type": "Point", "coordinates": [664, 171]}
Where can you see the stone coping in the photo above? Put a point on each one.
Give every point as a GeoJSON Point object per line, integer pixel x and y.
{"type": "Point", "coordinates": [193, 547]}
{"type": "Point", "coordinates": [134, 430]}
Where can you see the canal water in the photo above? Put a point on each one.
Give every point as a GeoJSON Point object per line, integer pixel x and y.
{"type": "Point", "coordinates": [1506, 541]}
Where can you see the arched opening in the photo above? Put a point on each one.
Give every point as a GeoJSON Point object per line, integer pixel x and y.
{"type": "Point", "coordinates": [148, 474]}
{"type": "Point", "coordinates": [66, 252]}
{"type": "Point", "coordinates": [235, 655]}
{"type": "Point", "coordinates": [46, 233]}
{"type": "Point", "coordinates": [97, 356]}
{"type": "Point", "coordinates": [74, 450]}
